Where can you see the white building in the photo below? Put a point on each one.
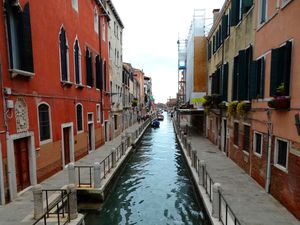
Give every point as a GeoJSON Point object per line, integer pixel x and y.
{"type": "Point", "coordinates": [115, 32]}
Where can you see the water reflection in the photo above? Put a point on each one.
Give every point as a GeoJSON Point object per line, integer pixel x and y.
{"type": "Point", "coordinates": [154, 188]}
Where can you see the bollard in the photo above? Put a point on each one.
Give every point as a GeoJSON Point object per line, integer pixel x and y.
{"type": "Point", "coordinates": [123, 147]}
{"type": "Point", "coordinates": [38, 209]}
{"type": "Point", "coordinates": [113, 155]}
{"type": "Point", "coordinates": [201, 172]}
{"type": "Point", "coordinates": [97, 175]}
{"type": "Point", "coordinates": [216, 200]}
{"type": "Point", "coordinates": [184, 140]}
{"type": "Point", "coordinates": [72, 201]}
{"type": "Point", "coordinates": [188, 147]}
{"type": "Point", "coordinates": [71, 173]}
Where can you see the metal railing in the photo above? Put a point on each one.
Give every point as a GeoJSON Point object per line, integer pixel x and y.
{"type": "Point", "coordinates": [59, 209]}
{"type": "Point", "coordinates": [207, 183]}
{"type": "Point", "coordinates": [84, 168]}
{"type": "Point", "coordinates": [226, 215]}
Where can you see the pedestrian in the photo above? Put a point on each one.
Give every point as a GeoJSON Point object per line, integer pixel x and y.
{"type": "Point", "coordinates": [138, 118]}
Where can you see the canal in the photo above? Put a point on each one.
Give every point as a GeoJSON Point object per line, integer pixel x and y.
{"type": "Point", "coordinates": [154, 188]}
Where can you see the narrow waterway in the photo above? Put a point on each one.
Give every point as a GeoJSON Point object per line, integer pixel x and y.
{"type": "Point", "coordinates": [155, 187]}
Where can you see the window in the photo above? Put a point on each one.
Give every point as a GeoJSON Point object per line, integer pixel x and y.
{"type": "Point", "coordinates": [96, 21]}
{"type": "Point", "coordinates": [258, 143]}
{"type": "Point", "coordinates": [246, 141]}
{"type": "Point", "coordinates": [116, 121]}
{"type": "Point", "coordinates": [98, 113]}
{"type": "Point", "coordinates": [257, 78]}
{"type": "Point", "coordinates": [75, 4]}
{"type": "Point", "coordinates": [281, 69]}
{"type": "Point", "coordinates": [89, 68]}
{"type": "Point", "coordinates": [19, 37]}
{"type": "Point", "coordinates": [238, 8]}
{"type": "Point", "coordinates": [64, 58]}
{"type": "Point", "coordinates": [236, 134]}
{"type": "Point", "coordinates": [99, 82]}
{"type": "Point", "coordinates": [103, 30]}
{"type": "Point", "coordinates": [262, 11]}
{"type": "Point", "coordinates": [224, 83]}
{"type": "Point", "coordinates": [79, 116]}
{"type": "Point", "coordinates": [110, 50]}
{"type": "Point", "coordinates": [44, 122]}
{"type": "Point", "coordinates": [281, 153]}
{"type": "Point", "coordinates": [77, 63]}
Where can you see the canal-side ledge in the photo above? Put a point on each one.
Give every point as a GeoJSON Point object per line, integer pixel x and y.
{"type": "Point", "coordinates": [229, 194]}
{"type": "Point", "coordinates": [21, 211]}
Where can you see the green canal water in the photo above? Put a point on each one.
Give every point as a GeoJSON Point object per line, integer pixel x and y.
{"type": "Point", "coordinates": [154, 188]}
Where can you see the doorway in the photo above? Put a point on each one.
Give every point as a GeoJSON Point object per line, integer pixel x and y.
{"type": "Point", "coordinates": [21, 152]}
{"type": "Point", "coordinates": [106, 127]}
{"type": "Point", "coordinates": [224, 135]}
{"type": "Point", "coordinates": [91, 132]}
{"type": "Point", "coordinates": [66, 140]}
{"type": "Point", "coordinates": [67, 143]}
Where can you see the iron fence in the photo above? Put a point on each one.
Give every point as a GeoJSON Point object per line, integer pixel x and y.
{"type": "Point", "coordinates": [58, 210]}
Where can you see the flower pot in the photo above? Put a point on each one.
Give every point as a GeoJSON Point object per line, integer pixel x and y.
{"type": "Point", "coordinates": [280, 103]}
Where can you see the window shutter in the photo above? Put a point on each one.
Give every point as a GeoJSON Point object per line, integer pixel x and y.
{"type": "Point", "coordinates": [242, 89]}
{"type": "Point", "coordinates": [26, 43]}
{"type": "Point", "coordinates": [275, 70]}
{"type": "Point", "coordinates": [88, 70]}
{"type": "Point", "coordinates": [224, 27]}
{"type": "Point", "coordinates": [287, 67]}
{"type": "Point", "coordinates": [91, 70]}
{"type": "Point", "coordinates": [246, 5]}
{"type": "Point", "coordinates": [253, 79]}
{"type": "Point", "coordinates": [234, 12]}
{"type": "Point", "coordinates": [98, 72]}
{"type": "Point", "coordinates": [63, 55]}
{"type": "Point", "coordinates": [225, 82]}
{"type": "Point", "coordinates": [235, 79]}
{"type": "Point", "coordinates": [104, 73]}
{"type": "Point", "coordinates": [248, 71]}
{"type": "Point", "coordinates": [76, 55]}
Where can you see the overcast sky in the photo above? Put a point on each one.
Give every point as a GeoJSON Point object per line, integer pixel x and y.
{"type": "Point", "coordinates": [150, 36]}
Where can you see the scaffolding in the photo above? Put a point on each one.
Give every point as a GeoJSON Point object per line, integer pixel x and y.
{"type": "Point", "coordinates": [182, 53]}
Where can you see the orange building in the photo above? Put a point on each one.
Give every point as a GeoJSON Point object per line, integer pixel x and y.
{"type": "Point", "coordinates": [53, 58]}
{"type": "Point", "coordinates": [275, 159]}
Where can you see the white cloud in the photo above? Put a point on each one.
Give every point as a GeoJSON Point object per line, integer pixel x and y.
{"type": "Point", "coordinates": [150, 37]}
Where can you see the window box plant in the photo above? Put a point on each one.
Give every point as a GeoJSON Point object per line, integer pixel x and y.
{"type": "Point", "coordinates": [223, 105]}
{"type": "Point", "coordinates": [280, 101]}
{"type": "Point", "coordinates": [231, 109]}
{"type": "Point", "coordinates": [243, 107]}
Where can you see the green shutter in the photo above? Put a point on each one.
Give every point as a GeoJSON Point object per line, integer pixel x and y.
{"type": "Point", "coordinates": [246, 5]}
{"type": "Point", "coordinates": [275, 70]}
{"type": "Point", "coordinates": [287, 67]}
{"type": "Point", "coordinates": [225, 82]}
{"type": "Point", "coordinates": [235, 7]}
{"type": "Point", "coordinates": [235, 78]}
{"type": "Point", "coordinates": [261, 77]}
{"type": "Point", "coordinates": [26, 41]}
{"type": "Point", "coordinates": [242, 70]}
{"type": "Point", "coordinates": [253, 79]}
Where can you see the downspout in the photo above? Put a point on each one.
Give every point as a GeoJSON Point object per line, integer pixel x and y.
{"type": "Point", "coordinates": [2, 195]}
{"type": "Point", "coordinates": [100, 54]}
{"type": "Point", "coordinates": [270, 128]}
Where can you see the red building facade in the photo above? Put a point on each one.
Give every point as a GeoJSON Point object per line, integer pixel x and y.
{"type": "Point", "coordinates": [55, 81]}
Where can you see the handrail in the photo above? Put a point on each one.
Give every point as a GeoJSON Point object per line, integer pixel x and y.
{"type": "Point", "coordinates": [59, 207]}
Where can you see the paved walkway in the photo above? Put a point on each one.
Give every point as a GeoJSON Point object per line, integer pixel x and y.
{"type": "Point", "coordinates": [249, 201]}
{"type": "Point", "coordinates": [20, 210]}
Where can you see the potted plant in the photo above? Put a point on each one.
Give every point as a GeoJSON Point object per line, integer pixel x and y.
{"type": "Point", "coordinates": [280, 101]}
{"type": "Point", "coordinates": [223, 105]}
{"type": "Point", "coordinates": [243, 107]}
{"type": "Point", "coordinates": [231, 108]}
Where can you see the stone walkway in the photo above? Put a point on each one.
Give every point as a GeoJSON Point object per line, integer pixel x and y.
{"type": "Point", "coordinates": [19, 211]}
{"type": "Point", "coordinates": [249, 201]}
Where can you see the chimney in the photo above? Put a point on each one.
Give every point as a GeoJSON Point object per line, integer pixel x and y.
{"type": "Point", "coordinates": [216, 13]}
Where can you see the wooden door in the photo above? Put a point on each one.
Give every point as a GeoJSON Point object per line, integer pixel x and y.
{"type": "Point", "coordinates": [90, 127]}
{"type": "Point", "coordinates": [67, 145]}
{"type": "Point", "coordinates": [22, 163]}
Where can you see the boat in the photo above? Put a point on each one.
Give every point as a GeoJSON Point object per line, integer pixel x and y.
{"type": "Point", "coordinates": [160, 117]}
{"type": "Point", "coordinates": [155, 123]}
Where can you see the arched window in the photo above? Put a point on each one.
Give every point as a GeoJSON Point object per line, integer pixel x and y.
{"type": "Point", "coordinates": [96, 21]}
{"type": "Point", "coordinates": [77, 62]}
{"type": "Point", "coordinates": [79, 116]}
{"type": "Point", "coordinates": [64, 60]}
{"type": "Point", "coordinates": [44, 122]}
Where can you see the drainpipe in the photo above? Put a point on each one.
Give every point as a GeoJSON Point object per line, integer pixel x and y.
{"type": "Point", "coordinates": [268, 175]}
